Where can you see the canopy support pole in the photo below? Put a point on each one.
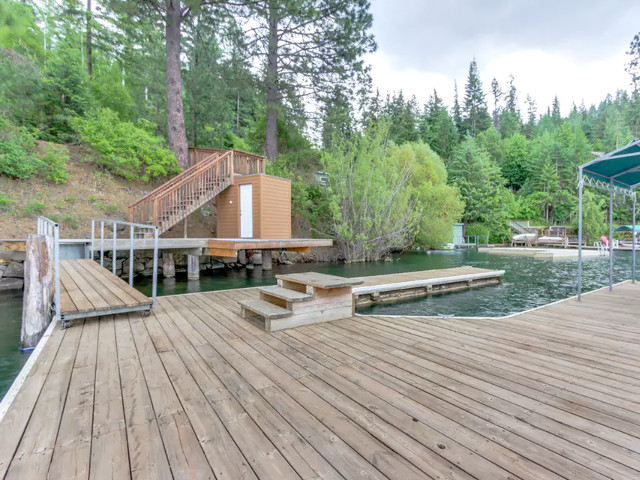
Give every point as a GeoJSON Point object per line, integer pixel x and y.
{"type": "Point", "coordinates": [580, 188]}
{"type": "Point", "coordinates": [611, 235]}
{"type": "Point", "coordinates": [633, 270]}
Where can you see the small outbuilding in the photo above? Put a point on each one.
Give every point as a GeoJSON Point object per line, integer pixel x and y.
{"type": "Point", "coordinates": [255, 206]}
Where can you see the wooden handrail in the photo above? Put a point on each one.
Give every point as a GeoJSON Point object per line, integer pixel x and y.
{"type": "Point", "coordinates": [173, 201]}
{"type": "Point", "coordinates": [179, 177]}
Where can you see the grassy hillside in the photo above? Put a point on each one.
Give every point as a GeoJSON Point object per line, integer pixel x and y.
{"type": "Point", "coordinates": [90, 192]}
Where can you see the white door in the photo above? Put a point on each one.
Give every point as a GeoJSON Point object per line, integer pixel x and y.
{"type": "Point", "coordinates": [246, 211]}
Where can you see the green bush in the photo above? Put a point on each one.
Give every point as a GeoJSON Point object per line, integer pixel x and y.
{"type": "Point", "coordinates": [70, 221]}
{"type": "Point", "coordinates": [129, 150]}
{"type": "Point", "coordinates": [32, 209]}
{"type": "Point", "coordinates": [112, 209]}
{"type": "Point", "coordinates": [5, 202]}
{"type": "Point", "coordinates": [477, 229]}
{"type": "Point", "coordinates": [53, 164]}
{"type": "Point", "coordinates": [17, 151]}
{"type": "Point", "coordinates": [92, 198]}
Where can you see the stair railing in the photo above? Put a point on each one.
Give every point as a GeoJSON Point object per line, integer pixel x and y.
{"type": "Point", "coordinates": [192, 192]}
{"type": "Point", "coordinates": [171, 202]}
{"type": "Point", "coordinates": [137, 211]}
{"type": "Point", "coordinates": [142, 210]}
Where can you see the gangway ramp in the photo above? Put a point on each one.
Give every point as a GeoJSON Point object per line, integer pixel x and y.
{"type": "Point", "coordinates": [89, 290]}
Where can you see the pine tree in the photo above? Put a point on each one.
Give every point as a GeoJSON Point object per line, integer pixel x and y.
{"type": "Point", "coordinates": [532, 114]}
{"type": "Point", "coordinates": [497, 93]}
{"type": "Point", "coordinates": [510, 120]}
{"type": "Point", "coordinates": [475, 113]}
{"type": "Point", "coordinates": [437, 128]}
{"type": "Point", "coordinates": [457, 112]}
{"type": "Point", "coordinates": [308, 48]}
{"type": "Point", "coordinates": [556, 117]}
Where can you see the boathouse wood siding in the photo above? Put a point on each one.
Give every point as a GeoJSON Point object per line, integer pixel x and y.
{"type": "Point", "coordinates": [271, 208]}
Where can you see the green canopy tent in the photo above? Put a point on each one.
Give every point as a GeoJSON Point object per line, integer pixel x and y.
{"type": "Point", "coordinates": [628, 228]}
{"type": "Point", "coordinates": [616, 172]}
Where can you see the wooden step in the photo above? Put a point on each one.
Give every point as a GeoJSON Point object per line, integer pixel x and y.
{"type": "Point", "coordinates": [256, 307]}
{"type": "Point", "coordinates": [285, 294]}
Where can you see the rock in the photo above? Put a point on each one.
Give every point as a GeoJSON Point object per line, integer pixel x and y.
{"type": "Point", "coordinates": [7, 284]}
{"type": "Point", "coordinates": [138, 267]}
{"type": "Point", "coordinates": [12, 256]}
{"type": "Point", "coordinates": [215, 265]}
{"type": "Point", "coordinates": [249, 266]}
{"type": "Point", "coordinates": [14, 270]}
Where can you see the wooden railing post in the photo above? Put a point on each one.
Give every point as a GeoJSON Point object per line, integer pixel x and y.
{"type": "Point", "coordinates": [155, 213]}
{"type": "Point", "coordinates": [232, 167]}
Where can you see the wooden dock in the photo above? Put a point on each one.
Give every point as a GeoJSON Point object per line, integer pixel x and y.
{"type": "Point", "coordinates": [194, 391]}
{"type": "Point", "coordinates": [401, 286]}
{"type": "Point", "coordinates": [543, 253]}
{"type": "Point", "coordinates": [89, 290]}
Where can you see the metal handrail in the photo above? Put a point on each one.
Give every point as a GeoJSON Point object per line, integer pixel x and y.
{"type": "Point", "coordinates": [132, 227]}
{"type": "Point", "coordinates": [49, 228]}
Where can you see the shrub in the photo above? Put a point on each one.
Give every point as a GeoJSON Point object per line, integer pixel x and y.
{"type": "Point", "coordinates": [70, 221]}
{"type": "Point", "coordinates": [5, 202]}
{"type": "Point", "coordinates": [112, 209]}
{"type": "Point", "coordinates": [129, 150]}
{"type": "Point", "coordinates": [53, 164]}
{"type": "Point", "coordinates": [92, 198]}
{"type": "Point", "coordinates": [32, 209]}
{"type": "Point", "coordinates": [17, 151]}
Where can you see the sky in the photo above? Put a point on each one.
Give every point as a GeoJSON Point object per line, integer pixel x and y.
{"type": "Point", "coordinates": [569, 48]}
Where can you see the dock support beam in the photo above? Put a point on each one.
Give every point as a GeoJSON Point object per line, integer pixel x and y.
{"type": "Point", "coordinates": [633, 242]}
{"type": "Point", "coordinates": [38, 290]}
{"type": "Point", "coordinates": [193, 267]}
{"type": "Point", "coordinates": [267, 260]}
{"type": "Point", "coordinates": [580, 189]}
{"type": "Point", "coordinates": [611, 234]}
{"type": "Point", "coordinates": [168, 265]}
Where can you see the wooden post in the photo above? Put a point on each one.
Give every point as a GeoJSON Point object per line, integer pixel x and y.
{"type": "Point", "coordinates": [38, 290]}
{"type": "Point", "coordinates": [168, 265]}
{"type": "Point", "coordinates": [193, 267]}
{"type": "Point", "coordinates": [267, 260]}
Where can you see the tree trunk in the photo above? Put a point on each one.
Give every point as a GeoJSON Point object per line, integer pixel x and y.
{"type": "Point", "coordinates": [272, 83]}
{"type": "Point", "coordinates": [175, 109]}
{"type": "Point", "coordinates": [89, 40]}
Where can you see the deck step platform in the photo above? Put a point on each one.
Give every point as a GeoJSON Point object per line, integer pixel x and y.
{"type": "Point", "coordinates": [302, 299]}
{"type": "Point", "coordinates": [261, 308]}
{"type": "Point", "coordinates": [285, 294]}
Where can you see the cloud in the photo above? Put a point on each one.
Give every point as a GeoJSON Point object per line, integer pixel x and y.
{"type": "Point", "coordinates": [575, 49]}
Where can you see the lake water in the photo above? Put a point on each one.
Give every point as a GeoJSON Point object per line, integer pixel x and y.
{"type": "Point", "coordinates": [527, 283]}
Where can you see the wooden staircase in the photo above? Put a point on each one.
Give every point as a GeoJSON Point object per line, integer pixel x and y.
{"type": "Point", "coordinates": [211, 172]}
{"type": "Point", "coordinates": [301, 299]}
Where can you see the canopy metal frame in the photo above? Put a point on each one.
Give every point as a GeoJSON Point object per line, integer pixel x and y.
{"type": "Point", "coordinates": [589, 176]}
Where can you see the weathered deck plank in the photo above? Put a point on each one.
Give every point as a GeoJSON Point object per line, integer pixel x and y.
{"type": "Point", "coordinates": [194, 391]}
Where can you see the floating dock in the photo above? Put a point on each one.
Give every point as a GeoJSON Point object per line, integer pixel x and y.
{"type": "Point", "coordinates": [402, 286]}
{"type": "Point", "coordinates": [195, 391]}
{"type": "Point", "coordinates": [89, 290]}
{"type": "Point", "coordinates": [542, 253]}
